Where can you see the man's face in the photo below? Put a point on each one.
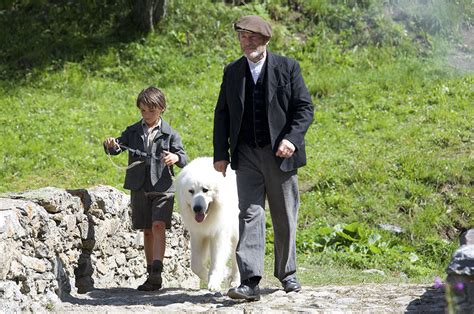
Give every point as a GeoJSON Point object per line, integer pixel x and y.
{"type": "Point", "coordinates": [253, 45]}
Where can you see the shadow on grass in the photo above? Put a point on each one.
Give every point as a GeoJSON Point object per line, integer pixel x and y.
{"type": "Point", "coordinates": [39, 34]}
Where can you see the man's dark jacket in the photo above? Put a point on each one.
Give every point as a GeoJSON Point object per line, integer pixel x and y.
{"type": "Point", "coordinates": [288, 105]}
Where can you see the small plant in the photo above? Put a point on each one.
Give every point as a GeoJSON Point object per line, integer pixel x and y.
{"type": "Point", "coordinates": [50, 306]}
{"type": "Point", "coordinates": [361, 247]}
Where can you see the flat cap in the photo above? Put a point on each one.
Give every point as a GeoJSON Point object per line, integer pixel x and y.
{"type": "Point", "coordinates": [253, 24]}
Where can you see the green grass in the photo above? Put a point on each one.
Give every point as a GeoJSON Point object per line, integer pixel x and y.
{"type": "Point", "coordinates": [311, 271]}
{"type": "Point", "coordinates": [391, 142]}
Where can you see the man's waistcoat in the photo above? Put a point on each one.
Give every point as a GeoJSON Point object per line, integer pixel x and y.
{"type": "Point", "coordinates": [254, 130]}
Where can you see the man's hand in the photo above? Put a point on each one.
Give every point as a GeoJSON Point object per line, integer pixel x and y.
{"type": "Point", "coordinates": [221, 166]}
{"type": "Point", "coordinates": [286, 149]}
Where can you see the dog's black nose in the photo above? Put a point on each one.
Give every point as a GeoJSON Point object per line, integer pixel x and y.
{"type": "Point", "coordinates": [197, 208]}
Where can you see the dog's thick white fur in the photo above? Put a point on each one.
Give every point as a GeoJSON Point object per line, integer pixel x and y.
{"type": "Point", "coordinates": [209, 207]}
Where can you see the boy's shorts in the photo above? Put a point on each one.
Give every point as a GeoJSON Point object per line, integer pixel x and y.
{"type": "Point", "coordinates": [148, 207]}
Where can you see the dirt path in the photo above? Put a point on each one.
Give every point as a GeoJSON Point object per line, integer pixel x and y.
{"type": "Point", "coordinates": [371, 298]}
{"type": "Point", "coordinates": [462, 57]}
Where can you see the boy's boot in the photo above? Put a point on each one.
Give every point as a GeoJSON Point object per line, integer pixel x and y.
{"type": "Point", "coordinates": [147, 285]}
{"type": "Point", "coordinates": [155, 275]}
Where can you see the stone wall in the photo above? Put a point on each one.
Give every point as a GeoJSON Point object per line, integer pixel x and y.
{"type": "Point", "coordinates": [460, 280]}
{"type": "Point", "coordinates": [54, 240]}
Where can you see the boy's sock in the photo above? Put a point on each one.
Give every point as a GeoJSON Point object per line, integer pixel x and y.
{"type": "Point", "coordinates": [157, 266]}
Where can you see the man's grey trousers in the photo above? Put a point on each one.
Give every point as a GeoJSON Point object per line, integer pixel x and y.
{"type": "Point", "coordinates": [259, 177]}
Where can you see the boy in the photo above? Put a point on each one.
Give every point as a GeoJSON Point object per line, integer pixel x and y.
{"type": "Point", "coordinates": [153, 148]}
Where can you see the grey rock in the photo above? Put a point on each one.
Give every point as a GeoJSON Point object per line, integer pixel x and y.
{"type": "Point", "coordinates": [374, 271]}
{"type": "Point", "coordinates": [462, 262]}
{"type": "Point", "coordinates": [52, 199]}
{"type": "Point", "coordinates": [7, 254]}
{"type": "Point", "coordinates": [391, 228]}
{"type": "Point", "coordinates": [38, 265]}
{"type": "Point", "coordinates": [467, 238]}
{"type": "Point", "coordinates": [10, 226]}
{"type": "Point", "coordinates": [460, 280]}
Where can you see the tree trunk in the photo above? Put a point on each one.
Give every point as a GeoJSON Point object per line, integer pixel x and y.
{"type": "Point", "coordinates": [147, 13]}
{"type": "Point", "coordinates": [236, 2]}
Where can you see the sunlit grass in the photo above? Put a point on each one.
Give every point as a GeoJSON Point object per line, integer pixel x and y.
{"type": "Point", "coordinates": [391, 141]}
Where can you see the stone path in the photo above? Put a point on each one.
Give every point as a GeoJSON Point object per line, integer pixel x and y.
{"type": "Point", "coordinates": [462, 56]}
{"type": "Point", "coordinates": [367, 298]}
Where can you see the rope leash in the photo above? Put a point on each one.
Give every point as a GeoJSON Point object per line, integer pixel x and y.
{"type": "Point", "coordinates": [135, 163]}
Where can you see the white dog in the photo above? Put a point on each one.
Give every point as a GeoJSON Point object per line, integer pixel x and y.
{"type": "Point", "coordinates": [209, 207]}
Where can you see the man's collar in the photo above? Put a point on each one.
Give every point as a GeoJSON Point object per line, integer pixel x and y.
{"type": "Point", "coordinates": [261, 61]}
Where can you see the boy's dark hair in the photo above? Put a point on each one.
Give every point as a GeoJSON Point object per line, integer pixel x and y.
{"type": "Point", "coordinates": [152, 97]}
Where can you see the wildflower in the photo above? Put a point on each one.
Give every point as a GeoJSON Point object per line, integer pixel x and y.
{"type": "Point", "coordinates": [438, 283]}
{"type": "Point", "coordinates": [459, 286]}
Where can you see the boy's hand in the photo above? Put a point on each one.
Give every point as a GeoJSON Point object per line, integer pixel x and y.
{"type": "Point", "coordinates": [111, 143]}
{"type": "Point", "coordinates": [170, 158]}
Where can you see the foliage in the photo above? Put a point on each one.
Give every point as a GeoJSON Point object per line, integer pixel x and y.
{"type": "Point", "coordinates": [46, 34]}
{"type": "Point", "coordinates": [391, 142]}
{"type": "Point", "coordinates": [359, 246]}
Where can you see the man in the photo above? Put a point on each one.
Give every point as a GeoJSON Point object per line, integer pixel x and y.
{"type": "Point", "coordinates": [262, 114]}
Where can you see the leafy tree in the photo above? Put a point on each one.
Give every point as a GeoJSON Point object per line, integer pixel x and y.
{"type": "Point", "coordinates": [235, 2]}
{"type": "Point", "coordinates": [147, 13]}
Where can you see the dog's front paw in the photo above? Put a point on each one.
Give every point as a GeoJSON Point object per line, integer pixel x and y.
{"type": "Point", "coordinates": [214, 285]}
{"type": "Point", "coordinates": [235, 280]}
{"type": "Point", "coordinates": [215, 282]}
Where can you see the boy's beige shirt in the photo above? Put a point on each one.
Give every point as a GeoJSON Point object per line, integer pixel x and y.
{"type": "Point", "coordinates": [150, 133]}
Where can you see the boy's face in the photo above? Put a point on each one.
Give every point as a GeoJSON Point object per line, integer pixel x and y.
{"type": "Point", "coordinates": [150, 115]}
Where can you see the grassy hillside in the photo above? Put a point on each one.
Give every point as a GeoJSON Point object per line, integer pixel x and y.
{"type": "Point", "coordinates": [391, 143]}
